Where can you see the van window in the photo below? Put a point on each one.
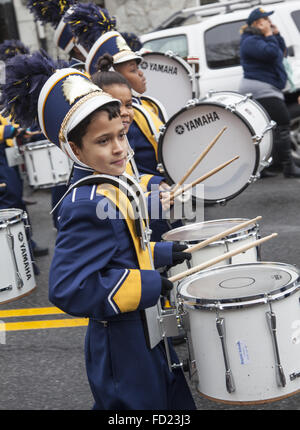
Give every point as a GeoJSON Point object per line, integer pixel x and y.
{"type": "Point", "coordinates": [296, 18]}
{"type": "Point", "coordinates": [177, 44]}
{"type": "Point", "coordinates": [222, 45]}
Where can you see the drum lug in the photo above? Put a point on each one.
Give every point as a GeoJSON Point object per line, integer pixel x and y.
{"type": "Point", "coordinates": [220, 323]}
{"type": "Point", "coordinates": [271, 319]}
{"type": "Point", "coordinates": [222, 202]}
{"type": "Point", "coordinates": [191, 103]}
{"type": "Point", "coordinates": [162, 129]}
{"type": "Point", "coordinates": [253, 178]}
{"type": "Point", "coordinates": [170, 53]}
{"type": "Point", "coordinates": [9, 288]}
{"type": "Point", "coordinates": [265, 163]}
{"type": "Point", "coordinates": [160, 168]}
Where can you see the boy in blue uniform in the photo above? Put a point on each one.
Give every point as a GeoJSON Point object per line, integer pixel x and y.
{"type": "Point", "coordinates": [100, 269]}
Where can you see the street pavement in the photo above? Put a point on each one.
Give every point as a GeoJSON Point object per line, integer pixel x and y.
{"type": "Point", "coordinates": [42, 368]}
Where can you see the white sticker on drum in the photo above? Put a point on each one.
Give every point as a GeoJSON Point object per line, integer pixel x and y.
{"type": "Point", "coordinates": [243, 352]}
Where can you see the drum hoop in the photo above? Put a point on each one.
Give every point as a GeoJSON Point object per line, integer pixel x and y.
{"type": "Point", "coordinates": [255, 102]}
{"type": "Point", "coordinates": [166, 173]}
{"type": "Point", "coordinates": [176, 57]}
{"type": "Point", "coordinates": [37, 145]}
{"type": "Point", "coordinates": [242, 302]}
{"type": "Point", "coordinates": [233, 237]}
{"type": "Point", "coordinates": [17, 216]}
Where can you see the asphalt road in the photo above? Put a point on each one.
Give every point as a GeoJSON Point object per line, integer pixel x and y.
{"type": "Point", "coordinates": [43, 368]}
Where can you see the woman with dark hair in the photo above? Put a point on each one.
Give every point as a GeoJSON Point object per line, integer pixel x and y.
{"type": "Point", "coordinates": [262, 51]}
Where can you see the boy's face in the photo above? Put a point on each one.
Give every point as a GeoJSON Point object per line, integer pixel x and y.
{"type": "Point", "coordinates": [104, 145]}
{"type": "Point", "coordinates": [130, 70]}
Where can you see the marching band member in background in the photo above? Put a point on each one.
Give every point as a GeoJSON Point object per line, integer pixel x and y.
{"type": "Point", "coordinates": [262, 51]}
{"type": "Point", "coordinates": [99, 268]}
{"type": "Point", "coordinates": [11, 195]}
{"type": "Point", "coordinates": [117, 86]}
{"type": "Point", "coordinates": [94, 28]}
{"type": "Point", "coordinates": [132, 41]}
{"type": "Point", "coordinates": [52, 12]}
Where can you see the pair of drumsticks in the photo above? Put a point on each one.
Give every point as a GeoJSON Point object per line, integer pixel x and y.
{"type": "Point", "coordinates": [176, 191]}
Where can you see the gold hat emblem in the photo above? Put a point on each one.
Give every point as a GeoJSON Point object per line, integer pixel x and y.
{"type": "Point", "coordinates": [121, 44]}
{"type": "Point", "coordinates": [76, 86]}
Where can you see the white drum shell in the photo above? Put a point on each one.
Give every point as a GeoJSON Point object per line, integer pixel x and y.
{"type": "Point", "coordinates": [46, 164]}
{"type": "Point", "coordinates": [169, 79]}
{"type": "Point", "coordinates": [253, 112]}
{"type": "Point", "coordinates": [250, 350]}
{"type": "Point", "coordinates": [215, 249]}
{"type": "Point", "coordinates": [188, 133]}
{"type": "Point", "coordinates": [23, 258]}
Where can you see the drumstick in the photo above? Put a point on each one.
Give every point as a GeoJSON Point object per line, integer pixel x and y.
{"type": "Point", "coordinates": [221, 235]}
{"type": "Point", "coordinates": [220, 258]}
{"type": "Point", "coordinates": [200, 158]}
{"type": "Point", "coordinates": [202, 178]}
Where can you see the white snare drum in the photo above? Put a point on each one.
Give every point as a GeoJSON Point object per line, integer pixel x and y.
{"type": "Point", "coordinates": [17, 276]}
{"type": "Point", "coordinates": [169, 79]}
{"type": "Point", "coordinates": [192, 234]}
{"type": "Point", "coordinates": [46, 164]}
{"type": "Point", "coordinates": [245, 331]}
{"type": "Point", "coordinates": [190, 130]}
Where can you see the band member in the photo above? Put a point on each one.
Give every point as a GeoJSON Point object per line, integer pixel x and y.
{"type": "Point", "coordinates": [117, 85]}
{"type": "Point", "coordinates": [100, 269]}
{"type": "Point", "coordinates": [94, 28]}
{"type": "Point", "coordinates": [52, 12]}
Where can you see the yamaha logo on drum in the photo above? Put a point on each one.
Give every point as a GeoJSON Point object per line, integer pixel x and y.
{"type": "Point", "coordinates": [179, 129]}
{"type": "Point", "coordinates": [193, 124]}
{"type": "Point", "coordinates": [20, 236]}
{"type": "Point", "coordinates": [144, 65]}
{"type": "Point", "coordinates": [162, 68]}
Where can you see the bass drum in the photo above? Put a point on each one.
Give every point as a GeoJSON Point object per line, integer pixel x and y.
{"type": "Point", "coordinates": [253, 112]}
{"type": "Point", "coordinates": [169, 79]}
{"type": "Point", "coordinates": [188, 133]}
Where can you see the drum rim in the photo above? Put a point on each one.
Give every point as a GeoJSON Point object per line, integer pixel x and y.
{"type": "Point", "coordinates": [17, 216]}
{"type": "Point", "coordinates": [244, 232]}
{"type": "Point", "coordinates": [242, 302]}
{"type": "Point", "coordinates": [180, 60]}
{"type": "Point", "coordinates": [254, 102]}
{"type": "Point", "coordinates": [37, 145]}
{"type": "Point", "coordinates": [166, 173]}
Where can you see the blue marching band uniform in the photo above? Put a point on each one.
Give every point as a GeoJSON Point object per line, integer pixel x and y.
{"type": "Point", "coordinates": [100, 269]}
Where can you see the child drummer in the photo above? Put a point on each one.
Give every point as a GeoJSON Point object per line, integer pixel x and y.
{"type": "Point", "coordinates": [99, 268]}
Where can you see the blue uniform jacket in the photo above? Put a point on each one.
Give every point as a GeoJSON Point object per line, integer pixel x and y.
{"type": "Point", "coordinates": [261, 57]}
{"type": "Point", "coordinates": [95, 274]}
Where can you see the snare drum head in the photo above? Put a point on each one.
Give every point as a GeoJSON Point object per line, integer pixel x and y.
{"type": "Point", "coordinates": [238, 284]}
{"type": "Point", "coordinates": [190, 131]}
{"type": "Point", "coordinates": [204, 230]}
{"type": "Point", "coordinates": [167, 80]}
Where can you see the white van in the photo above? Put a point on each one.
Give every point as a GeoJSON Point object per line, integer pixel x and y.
{"type": "Point", "coordinates": [214, 38]}
{"type": "Point", "coordinates": [211, 33]}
